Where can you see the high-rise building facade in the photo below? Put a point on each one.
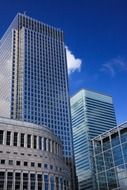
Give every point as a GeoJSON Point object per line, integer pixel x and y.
{"type": "Point", "coordinates": [92, 114]}
{"type": "Point", "coordinates": [34, 80]}
{"type": "Point", "coordinates": [110, 157]}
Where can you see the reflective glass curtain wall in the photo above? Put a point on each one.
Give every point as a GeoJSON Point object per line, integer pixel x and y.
{"type": "Point", "coordinates": [110, 156]}
{"type": "Point", "coordinates": [92, 114]}
{"type": "Point", "coordinates": [36, 88]}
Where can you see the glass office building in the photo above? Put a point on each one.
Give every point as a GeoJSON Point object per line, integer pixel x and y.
{"type": "Point", "coordinates": [92, 114]}
{"type": "Point", "coordinates": [34, 79]}
{"type": "Point", "coordinates": [110, 156]}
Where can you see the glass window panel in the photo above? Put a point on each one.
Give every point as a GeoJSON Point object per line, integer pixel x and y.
{"type": "Point", "coordinates": [22, 140]}
{"type": "Point", "coordinates": [106, 143]}
{"type": "Point", "coordinates": [39, 176]}
{"type": "Point", "coordinates": [115, 139]}
{"type": "Point", "coordinates": [1, 137]}
{"type": "Point", "coordinates": [108, 159]}
{"type": "Point", "coordinates": [111, 178]}
{"type": "Point", "coordinates": [25, 181]}
{"type": "Point", "coordinates": [123, 134]}
{"type": "Point", "coordinates": [2, 176]}
{"type": "Point", "coordinates": [46, 181]}
{"type": "Point", "coordinates": [9, 180]}
{"type": "Point", "coordinates": [99, 162]}
{"type": "Point", "coordinates": [8, 138]}
{"type": "Point", "coordinates": [28, 141]}
{"type": "Point", "coordinates": [102, 181]}
{"type": "Point", "coordinates": [32, 181]}
{"type": "Point", "coordinates": [52, 182]}
{"type": "Point", "coordinates": [15, 139]}
{"type": "Point", "coordinates": [17, 181]}
{"type": "Point", "coordinates": [117, 153]}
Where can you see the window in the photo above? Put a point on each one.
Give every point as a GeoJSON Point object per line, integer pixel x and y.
{"type": "Point", "coordinates": [28, 141]}
{"type": "Point", "coordinates": [39, 178]}
{"type": "Point", "coordinates": [52, 182]}
{"type": "Point", "coordinates": [15, 139]}
{"type": "Point", "coordinates": [32, 164]}
{"type": "Point", "coordinates": [25, 181]}
{"type": "Point", "coordinates": [46, 181]}
{"type": "Point", "coordinates": [1, 137]}
{"type": "Point", "coordinates": [25, 163]}
{"type": "Point", "coordinates": [9, 180]}
{"type": "Point", "coordinates": [10, 162]}
{"type": "Point", "coordinates": [17, 180]}
{"type": "Point", "coordinates": [32, 179]}
{"type": "Point", "coordinates": [45, 144]}
{"type": "Point", "coordinates": [40, 143]}
{"type": "Point", "coordinates": [22, 140]}
{"type": "Point", "coordinates": [45, 166]}
{"type": "Point", "coordinates": [2, 175]}
{"type": "Point", "coordinates": [2, 161]}
{"type": "Point", "coordinates": [35, 142]}
{"type": "Point", "coordinates": [8, 138]}
{"type": "Point", "coordinates": [18, 163]}
{"type": "Point", "coordinates": [39, 165]}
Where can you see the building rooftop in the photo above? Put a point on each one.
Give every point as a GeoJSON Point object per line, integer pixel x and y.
{"type": "Point", "coordinates": [111, 131]}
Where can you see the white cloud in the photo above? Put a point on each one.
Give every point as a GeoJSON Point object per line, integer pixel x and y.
{"type": "Point", "coordinates": [73, 63]}
{"type": "Point", "coordinates": [114, 66]}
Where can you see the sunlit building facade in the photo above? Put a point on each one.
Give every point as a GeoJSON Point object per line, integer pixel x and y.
{"type": "Point", "coordinates": [110, 156]}
{"type": "Point", "coordinates": [34, 79]}
{"type": "Point", "coordinates": [31, 158]}
{"type": "Point", "coordinates": [92, 114]}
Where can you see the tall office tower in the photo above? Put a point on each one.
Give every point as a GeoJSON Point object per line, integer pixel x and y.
{"type": "Point", "coordinates": [92, 114]}
{"type": "Point", "coordinates": [34, 80]}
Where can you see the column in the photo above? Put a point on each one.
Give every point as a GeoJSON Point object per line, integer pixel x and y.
{"type": "Point", "coordinates": [5, 180]}
{"type": "Point", "coordinates": [42, 141]}
{"type": "Point", "coordinates": [18, 143]}
{"type": "Point", "coordinates": [13, 185]}
{"type": "Point", "coordinates": [57, 149]}
{"type": "Point", "coordinates": [46, 144]}
{"type": "Point", "coordinates": [43, 182]}
{"type": "Point", "coordinates": [50, 145]}
{"type": "Point", "coordinates": [36, 181]}
{"type": "Point", "coordinates": [29, 181]}
{"type": "Point", "coordinates": [53, 147]}
{"type": "Point", "coordinates": [4, 137]}
{"type": "Point", "coordinates": [11, 139]}
{"type": "Point", "coordinates": [32, 141]}
{"type": "Point", "coordinates": [49, 148]}
{"type": "Point", "coordinates": [38, 142]}
{"type": "Point", "coordinates": [25, 140]}
{"type": "Point", "coordinates": [21, 181]}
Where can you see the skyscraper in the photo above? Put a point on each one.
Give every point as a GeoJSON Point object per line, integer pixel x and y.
{"type": "Point", "coordinates": [34, 81]}
{"type": "Point", "coordinates": [92, 114]}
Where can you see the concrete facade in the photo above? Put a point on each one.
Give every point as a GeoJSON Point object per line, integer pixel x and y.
{"type": "Point", "coordinates": [31, 158]}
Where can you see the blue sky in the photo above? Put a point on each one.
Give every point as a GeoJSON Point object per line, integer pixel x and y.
{"type": "Point", "coordinates": [96, 39]}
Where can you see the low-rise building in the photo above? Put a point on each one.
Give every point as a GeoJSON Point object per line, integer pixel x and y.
{"type": "Point", "coordinates": [110, 157]}
{"type": "Point", "coordinates": [31, 158]}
